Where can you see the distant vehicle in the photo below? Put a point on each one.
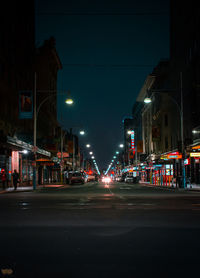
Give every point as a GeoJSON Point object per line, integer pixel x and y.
{"type": "Point", "coordinates": [123, 177]}
{"type": "Point", "coordinates": [106, 179]}
{"type": "Point", "coordinates": [77, 177]}
{"type": "Point", "coordinates": [129, 179]}
{"type": "Point", "coordinates": [118, 178]}
{"type": "Point", "coordinates": [91, 176]}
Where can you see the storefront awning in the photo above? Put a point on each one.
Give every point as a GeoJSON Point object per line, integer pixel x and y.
{"type": "Point", "coordinates": [20, 144]}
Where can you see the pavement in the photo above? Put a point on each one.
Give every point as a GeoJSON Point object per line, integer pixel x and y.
{"type": "Point", "coordinates": [192, 187]}
{"type": "Point", "coordinates": [47, 186]}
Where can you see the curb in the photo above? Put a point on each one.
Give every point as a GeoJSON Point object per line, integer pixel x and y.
{"type": "Point", "coordinates": [170, 188]}
{"type": "Point", "coordinates": [159, 186]}
{"type": "Point", "coordinates": [46, 187]}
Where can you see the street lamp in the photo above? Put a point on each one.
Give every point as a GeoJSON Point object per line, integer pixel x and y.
{"type": "Point", "coordinates": [117, 152]}
{"type": "Point", "coordinates": [69, 100]}
{"type": "Point", "coordinates": [147, 100]}
{"type": "Point", "coordinates": [121, 145]}
{"type": "Point", "coordinates": [180, 109]}
{"type": "Point", "coordinates": [36, 111]}
{"type": "Point", "coordinates": [88, 145]}
{"type": "Point", "coordinates": [82, 132]}
{"type": "Point", "coordinates": [91, 153]}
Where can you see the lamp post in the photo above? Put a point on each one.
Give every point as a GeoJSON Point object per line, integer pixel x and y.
{"type": "Point", "coordinates": [180, 109]}
{"type": "Point", "coordinates": [69, 101]}
{"type": "Point", "coordinates": [82, 132]}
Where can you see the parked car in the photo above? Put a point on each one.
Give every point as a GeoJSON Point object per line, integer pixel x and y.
{"type": "Point", "coordinates": [129, 179]}
{"type": "Point", "coordinates": [118, 178]}
{"type": "Point", "coordinates": [123, 177]}
{"type": "Point", "coordinates": [91, 177]}
{"type": "Point", "coordinates": [77, 177]}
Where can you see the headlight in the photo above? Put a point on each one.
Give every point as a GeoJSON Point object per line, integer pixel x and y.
{"type": "Point", "coordinates": [107, 180]}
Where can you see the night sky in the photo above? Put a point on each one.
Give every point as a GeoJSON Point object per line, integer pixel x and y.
{"type": "Point", "coordinates": [107, 49]}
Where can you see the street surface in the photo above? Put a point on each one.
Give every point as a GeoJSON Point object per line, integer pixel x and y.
{"type": "Point", "coordinates": [93, 230]}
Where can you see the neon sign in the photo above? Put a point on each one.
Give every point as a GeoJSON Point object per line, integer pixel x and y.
{"type": "Point", "coordinates": [132, 140]}
{"type": "Point", "coordinates": [194, 154]}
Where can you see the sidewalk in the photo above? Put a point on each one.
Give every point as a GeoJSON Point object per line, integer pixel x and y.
{"type": "Point", "coordinates": [192, 187]}
{"type": "Point", "coordinates": [29, 188]}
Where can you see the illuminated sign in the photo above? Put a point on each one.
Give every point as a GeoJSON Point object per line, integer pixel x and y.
{"type": "Point", "coordinates": [196, 147]}
{"type": "Point", "coordinates": [132, 140]}
{"type": "Point", "coordinates": [195, 154]}
{"type": "Point", "coordinates": [64, 154]}
{"type": "Point", "coordinates": [163, 156]}
{"type": "Point", "coordinates": [177, 156]}
{"type": "Point", "coordinates": [173, 155]}
{"type": "Point", "coordinates": [187, 161]}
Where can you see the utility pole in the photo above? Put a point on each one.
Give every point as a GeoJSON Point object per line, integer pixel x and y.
{"type": "Point", "coordinates": [182, 133]}
{"type": "Point", "coordinates": [35, 134]}
{"type": "Point", "coordinates": [61, 164]}
{"type": "Point", "coordinates": [73, 152]}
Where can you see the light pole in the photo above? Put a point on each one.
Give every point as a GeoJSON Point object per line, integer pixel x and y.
{"type": "Point", "coordinates": [69, 101]}
{"type": "Point", "coordinates": [82, 132]}
{"type": "Point", "coordinates": [180, 109]}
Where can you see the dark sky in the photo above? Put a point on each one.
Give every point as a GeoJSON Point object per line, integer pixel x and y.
{"type": "Point", "coordinates": [92, 37]}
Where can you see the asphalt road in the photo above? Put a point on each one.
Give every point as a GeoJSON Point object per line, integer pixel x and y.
{"type": "Point", "coordinates": [95, 230]}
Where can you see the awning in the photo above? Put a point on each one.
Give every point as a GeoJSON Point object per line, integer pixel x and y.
{"type": "Point", "coordinates": [20, 144]}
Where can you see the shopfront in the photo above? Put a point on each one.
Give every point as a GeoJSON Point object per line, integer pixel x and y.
{"type": "Point", "coordinates": [21, 159]}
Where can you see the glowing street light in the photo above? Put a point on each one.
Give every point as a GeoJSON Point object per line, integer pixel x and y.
{"type": "Point", "coordinates": [117, 152]}
{"type": "Point", "coordinates": [69, 101]}
{"type": "Point", "coordinates": [147, 100]}
{"type": "Point", "coordinates": [93, 157]}
{"type": "Point", "coordinates": [91, 153]}
{"type": "Point", "coordinates": [121, 145]}
{"type": "Point", "coordinates": [129, 132]}
{"type": "Point", "coordinates": [88, 145]}
{"type": "Point", "coordinates": [82, 132]}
